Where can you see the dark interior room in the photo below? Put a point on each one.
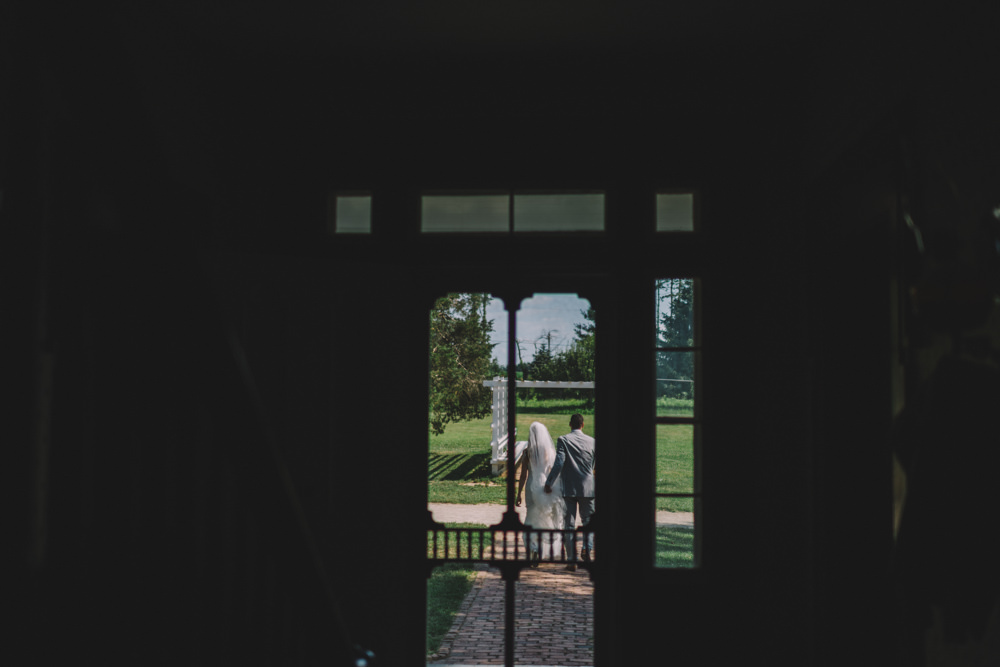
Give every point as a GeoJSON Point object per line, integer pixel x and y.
{"type": "Point", "coordinates": [215, 436]}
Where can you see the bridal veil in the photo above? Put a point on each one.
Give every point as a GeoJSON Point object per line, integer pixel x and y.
{"type": "Point", "coordinates": [544, 510]}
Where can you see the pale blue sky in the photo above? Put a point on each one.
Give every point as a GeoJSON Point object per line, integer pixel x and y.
{"type": "Point", "coordinates": [543, 312]}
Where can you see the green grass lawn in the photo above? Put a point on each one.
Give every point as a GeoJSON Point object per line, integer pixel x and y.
{"type": "Point", "coordinates": [674, 546]}
{"type": "Point", "coordinates": [458, 466]}
{"type": "Point", "coordinates": [675, 465]}
{"type": "Point", "coordinates": [674, 407]}
{"type": "Point", "coordinates": [459, 459]}
{"type": "Point", "coordinates": [459, 472]}
{"type": "Point", "coordinates": [446, 588]}
{"type": "Point", "coordinates": [552, 406]}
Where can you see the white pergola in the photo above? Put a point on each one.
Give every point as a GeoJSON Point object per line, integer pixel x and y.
{"type": "Point", "coordinates": [498, 443]}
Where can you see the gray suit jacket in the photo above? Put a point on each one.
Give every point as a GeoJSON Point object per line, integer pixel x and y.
{"type": "Point", "coordinates": [575, 464]}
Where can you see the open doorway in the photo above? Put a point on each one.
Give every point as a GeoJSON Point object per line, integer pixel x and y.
{"type": "Point", "coordinates": [507, 583]}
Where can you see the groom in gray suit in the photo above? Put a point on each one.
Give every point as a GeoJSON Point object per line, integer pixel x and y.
{"type": "Point", "coordinates": [575, 462]}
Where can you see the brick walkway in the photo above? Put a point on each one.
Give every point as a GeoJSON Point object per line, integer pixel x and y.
{"type": "Point", "coordinates": [554, 625]}
{"type": "Point", "coordinates": [554, 622]}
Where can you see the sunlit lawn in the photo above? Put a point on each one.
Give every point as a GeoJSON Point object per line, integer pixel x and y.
{"type": "Point", "coordinates": [459, 459]}
{"type": "Point", "coordinates": [674, 546]}
{"type": "Point", "coordinates": [459, 470]}
{"type": "Point", "coordinates": [674, 465]}
{"type": "Point", "coordinates": [458, 463]}
{"type": "Point", "coordinates": [458, 466]}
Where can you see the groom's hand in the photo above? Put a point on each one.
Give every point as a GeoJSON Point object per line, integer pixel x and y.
{"type": "Point", "coordinates": [548, 489]}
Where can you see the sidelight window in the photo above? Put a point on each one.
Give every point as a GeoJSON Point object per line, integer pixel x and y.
{"type": "Point", "coordinates": [677, 489]}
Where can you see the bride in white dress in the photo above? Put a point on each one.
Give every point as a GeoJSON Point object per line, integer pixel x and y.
{"type": "Point", "coordinates": [544, 510]}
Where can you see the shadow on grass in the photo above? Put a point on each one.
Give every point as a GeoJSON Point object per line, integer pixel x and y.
{"type": "Point", "coordinates": [457, 467]}
{"type": "Point", "coordinates": [674, 546]}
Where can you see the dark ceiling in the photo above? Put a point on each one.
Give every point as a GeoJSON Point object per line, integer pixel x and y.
{"type": "Point", "coordinates": [501, 29]}
{"type": "Point", "coordinates": [230, 86]}
{"type": "Point", "coordinates": [221, 76]}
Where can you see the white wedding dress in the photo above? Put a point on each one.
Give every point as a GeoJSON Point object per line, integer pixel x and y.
{"type": "Point", "coordinates": [544, 510]}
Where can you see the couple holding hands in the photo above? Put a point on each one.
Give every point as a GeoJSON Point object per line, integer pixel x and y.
{"type": "Point", "coordinates": [559, 481]}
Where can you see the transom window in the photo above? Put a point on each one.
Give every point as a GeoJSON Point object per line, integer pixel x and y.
{"type": "Point", "coordinates": [675, 211]}
{"type": "Point", "coordinates": [349, 213]}
{"type": "Point", "coordinates": [512, 212]}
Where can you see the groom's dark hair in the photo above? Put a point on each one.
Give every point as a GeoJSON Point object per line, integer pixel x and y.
{"type": "Point", "coordinates": [576, 421]}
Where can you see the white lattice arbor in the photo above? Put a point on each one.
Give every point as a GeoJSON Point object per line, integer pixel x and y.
{"type": "Point", "coordinates": [498, 443]}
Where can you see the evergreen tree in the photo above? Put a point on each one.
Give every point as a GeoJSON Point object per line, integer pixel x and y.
{"type": "Point", "coordinates": [588, 328]}
{"type": "Point", "coordinates": [675, 308]}
{"type": "Point", "coordinates": [577, 362]}
{"type": "Point", "coordinates": [542, 367]}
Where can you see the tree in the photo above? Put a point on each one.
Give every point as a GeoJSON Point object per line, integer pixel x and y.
{"type": "Point", "coordinates": [461, 357]}
{"type": "Point", "coordinates": [541, 367]}
{"type": "Point", "coordinates": [575, 363]}
{"type": "Point", "coordinates": [588, 328]}
{"type": "Point", "coordinates": [675, 308]}
{"type": "Point", "coordinates": [578, 360]}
